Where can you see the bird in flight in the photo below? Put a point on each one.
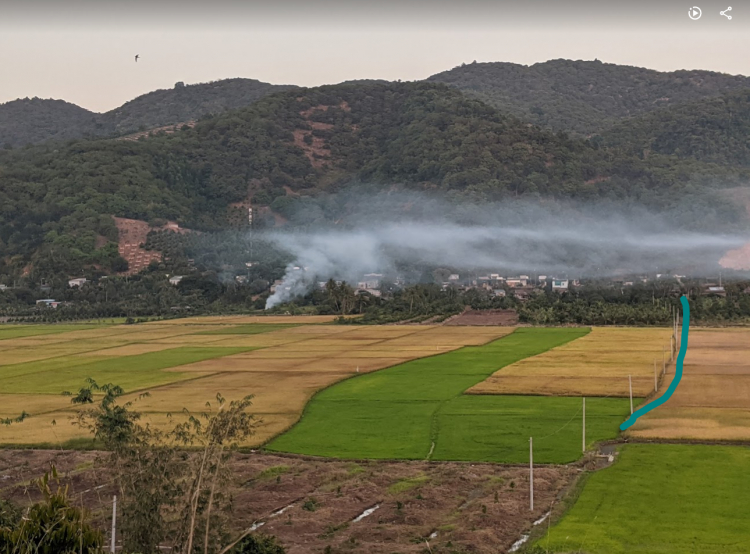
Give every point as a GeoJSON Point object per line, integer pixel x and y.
{"type": "Point", "coordinates": [136, 57]}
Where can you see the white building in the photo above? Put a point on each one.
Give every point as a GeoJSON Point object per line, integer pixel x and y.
{"type": "Point", "coordinates": [3, 288]}
{"type": "Point", "coordinates": [454, 277]}
{"type": "Point", "coordinates": [77, 282]}
{"type": "Point", "coordinates": [371, 281]}
{"type": "Point", "coordinates": [176, 279]}
{"type": "Point", "coordinates": [560, 284]}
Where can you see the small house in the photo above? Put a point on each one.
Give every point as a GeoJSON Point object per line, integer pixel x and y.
{"type": "Point", "coordinates": [77, 283]}
{"type": "Point", "coordinates": [176, 280]}
{"type": "Point", "coordinates": [560, 284]}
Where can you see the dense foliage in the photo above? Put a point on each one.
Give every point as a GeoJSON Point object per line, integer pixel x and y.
{"type": "Point", "coordinates": [32, 121]}
{"type": "Point", "coordinates": [57, 200]}
{"type": "Point", "coordinates": [713, 130]}
{"type": "Point", "coordinates": [581, 96]}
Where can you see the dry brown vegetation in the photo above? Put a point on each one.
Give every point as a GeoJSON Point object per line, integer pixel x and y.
{"type": "Point", "coordinates": [595, 365]}
{"type": "Point", "coordinates": [286, 367]}
{"type": "Point", "coordinates": [712, 401]}
{"type": "Point", "coordinates": [480, 508]}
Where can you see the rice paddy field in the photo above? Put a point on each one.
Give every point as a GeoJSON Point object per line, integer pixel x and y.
{"type": "Point", "coordinates": [418, 410]}
{"type": "Point", "coordinates": [184, 363]}
{"type": "Point", "coordinates": [680, 499]}
{"type": "Point", "coordinates": [597, 364]}
{"type": "Point", "coordinates": [712, 401]}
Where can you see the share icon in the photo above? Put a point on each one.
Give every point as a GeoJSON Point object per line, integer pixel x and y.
{"type": "Point", "coordinates": [725, 14]}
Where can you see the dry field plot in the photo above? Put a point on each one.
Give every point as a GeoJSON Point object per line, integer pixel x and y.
{"type": "Point", "coordinates": [712, 401]}
{"type": "Point", "coordinates": [185, 363]}
{"type": "Point", "coordinates": [595, 365]}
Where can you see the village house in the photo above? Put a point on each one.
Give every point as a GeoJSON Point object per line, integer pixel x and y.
{"type": "Point", "coordinates": [48, 303]}
{"type": "Point", "coordinates": [370, 281]}
{"type": "Point", "coordinates": [79, 282]}
{"type": "Point", "coordinates": [714, 290]}
{"type": "Point", "coordinates": [176, 279]}
{"type": "Point", "coordinates": [522, 294]}
{"type": "Point", "coordinates": [560, 284]}
{"type": "Point", "coordinates": [3, 288]}
{"type": "Point", "coordinates": [277, 283]}
{"type": "Point", "coordinates": [515, 282]}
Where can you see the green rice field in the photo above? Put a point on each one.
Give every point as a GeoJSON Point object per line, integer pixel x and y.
{"type": "Point", "coordinates": [402, 411]}
{"type": "Point", "coordinates": [660, 498]}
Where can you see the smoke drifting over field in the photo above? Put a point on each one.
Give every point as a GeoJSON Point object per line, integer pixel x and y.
{"type": "Point", "coordinates": [560, 242]}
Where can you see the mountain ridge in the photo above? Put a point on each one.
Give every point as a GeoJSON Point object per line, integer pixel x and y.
{"type": "Point", "coordinates": [580, 97]}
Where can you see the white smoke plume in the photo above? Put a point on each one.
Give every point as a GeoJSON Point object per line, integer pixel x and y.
{"type": "Point", "coordinates": [576, 243]}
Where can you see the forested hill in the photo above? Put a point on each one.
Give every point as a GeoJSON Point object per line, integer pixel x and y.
{"type": "Point", "coordinates": [186, 102]}
{"type": "Point", "coordinates": [584, 97]}
{"type": "Point", "coordinates": [713, 130]}
{"type": "Point", "coordinates": [58, 199]}
{"type": "Point", "coordinates": [32, 121]}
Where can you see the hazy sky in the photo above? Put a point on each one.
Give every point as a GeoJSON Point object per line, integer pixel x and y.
{"type": "Point", "coordinates": [83, 51]}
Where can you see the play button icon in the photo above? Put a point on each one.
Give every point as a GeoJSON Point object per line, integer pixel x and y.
{"type": "Point", "coordinates": [695, 13]}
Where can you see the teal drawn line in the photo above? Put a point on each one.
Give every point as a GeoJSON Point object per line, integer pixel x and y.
{"type": "Point", "coordinates": [677, 374]}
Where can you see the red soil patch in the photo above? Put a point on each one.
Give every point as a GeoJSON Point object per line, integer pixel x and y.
{"type": "Point", "coordinates": [480, 508]}
{"type": "Point", "coordinates": [315, 148]}
{"type": "Point", "coordinates": [484, 317]}
{"type": "Point", "coordinates": [133, 233]}
{"type": "Point", "coordinates": [738, 259]}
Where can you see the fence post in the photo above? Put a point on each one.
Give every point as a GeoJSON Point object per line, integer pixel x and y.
{"type": "Point", "coordinates": [531, 474]}
{"type": "Point", "coordinates": [630, 381]}
{"type": "Point", "coordinates": [114, 523]}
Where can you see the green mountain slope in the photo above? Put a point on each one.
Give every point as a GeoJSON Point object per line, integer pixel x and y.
{"type": "Point", "coordinates": [34, 121]}
{"type": "Point", "coordinates": [713, 130]}
{"type": "Point", "coordinates": [582, 96]}
{"type": "Point", "coordinates": [57, 200]}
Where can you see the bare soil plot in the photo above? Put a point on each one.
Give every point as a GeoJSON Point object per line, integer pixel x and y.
{"type": "Point", "coordinates": [480, 508]}
{"type": "Point", "coordinates": [485, 317]}
{"type": "Point", "coordinates": [597, 364]}
{"type": "Point", "coordinates": [712, 401]}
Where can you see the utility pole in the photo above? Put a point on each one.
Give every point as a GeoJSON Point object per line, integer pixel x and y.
{"type": "Point", "coordinates": [630, 381]}
{"type": "Point", "coordinates": [583, 440]}
{"type": "Point", "coordinates": [114, 523]}
{"type": "Point", "coordinates": [531, 474]}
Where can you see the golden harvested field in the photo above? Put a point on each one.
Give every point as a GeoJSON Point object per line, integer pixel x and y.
{"type": "Point", "coordinates": [712, 401]}
{"type": "Point", "coordinates": [185, 363]}
{"type": "Point", "coordinates": [597, 364]}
